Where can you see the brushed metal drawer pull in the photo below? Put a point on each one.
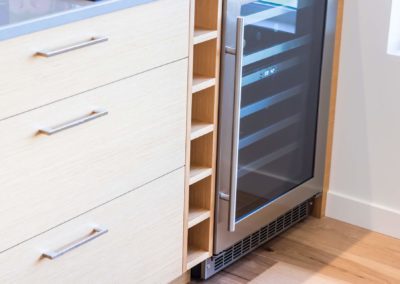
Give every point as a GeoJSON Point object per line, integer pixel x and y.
{"type": "Point", "coordinates": [97, 232]}
{"type": "Point", "coordinates": [92, 41]}
{"type": "Point", "coordinates": [53, 130]}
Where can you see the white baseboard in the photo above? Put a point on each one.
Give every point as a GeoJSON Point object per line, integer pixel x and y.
{"type": "Point", "coordinates": [364, 214]}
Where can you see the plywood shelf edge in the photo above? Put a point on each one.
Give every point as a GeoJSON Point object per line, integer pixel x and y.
{"type": "Point", "coordinates": [197, 215]}
{"type": "Point", "coordinates": [201, 82]}
{"type": "Point", "coordinates": [200, 128]}
{"type": "Point", "coordinates": [198, 173]}
{"type": "Point", "coordinates": [202, 35]}
{"type": "Point", "coordinates": [196, 256]}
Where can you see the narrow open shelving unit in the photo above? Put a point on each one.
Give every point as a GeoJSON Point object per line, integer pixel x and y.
{"type": "Point", "coordinates": [203, 94]}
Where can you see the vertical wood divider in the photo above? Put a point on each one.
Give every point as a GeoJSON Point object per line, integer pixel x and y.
{"type": "Point", "coordinates": [188, 135]}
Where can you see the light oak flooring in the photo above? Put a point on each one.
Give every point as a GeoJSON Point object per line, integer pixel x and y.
{"type": "Point", "coordinates": [319, 251]}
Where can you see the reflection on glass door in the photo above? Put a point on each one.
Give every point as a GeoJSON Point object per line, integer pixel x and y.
{"type": "Point", "coordinates": [280, 78]}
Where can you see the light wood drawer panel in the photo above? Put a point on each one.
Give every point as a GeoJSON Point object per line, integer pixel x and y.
{"type": "Point", "coordinates": [143, 243]}
{"type": "Point", "coordinates": [45, 180]}
{"type": "Point", "coordinates": [140, 38]}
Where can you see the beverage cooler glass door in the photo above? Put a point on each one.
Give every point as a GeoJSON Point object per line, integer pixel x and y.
{"type": "Point", "coordinates": [276, 48]}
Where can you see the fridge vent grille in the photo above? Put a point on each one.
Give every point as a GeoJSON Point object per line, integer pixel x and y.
{"type": "Point", "coordinates": [241, 248]}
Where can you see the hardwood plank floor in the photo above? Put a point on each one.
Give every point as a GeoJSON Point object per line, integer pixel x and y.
{"type": "Point", "coordinates": [319, 251]}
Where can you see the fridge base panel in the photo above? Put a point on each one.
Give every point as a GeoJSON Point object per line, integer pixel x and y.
{"type": "Point", "coordinates": [218, 262]}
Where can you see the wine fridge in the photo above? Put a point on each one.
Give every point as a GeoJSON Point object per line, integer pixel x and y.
{"type": "Point", "coordinates": [274, 107]}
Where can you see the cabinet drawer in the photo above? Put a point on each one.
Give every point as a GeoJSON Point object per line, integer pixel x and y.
{"type": "Point", "coordinates": [48, 179]}
{"type": "Point", "coordinates": [143, 243]}
{"type": "Point", "coordinates": [139, 38]}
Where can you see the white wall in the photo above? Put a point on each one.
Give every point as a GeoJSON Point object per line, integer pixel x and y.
{"type": "Point", "coordinates": [365, 177]}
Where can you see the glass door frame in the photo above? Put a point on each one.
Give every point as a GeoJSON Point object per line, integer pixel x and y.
{"type": "Point", "coordinates": [227, 230]}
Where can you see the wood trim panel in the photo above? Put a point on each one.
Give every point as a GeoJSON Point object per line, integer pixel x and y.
{"type": "Point", "coordinates": [188, 136]}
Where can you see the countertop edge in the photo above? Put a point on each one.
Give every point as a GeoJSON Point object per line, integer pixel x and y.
{"type": "Point", "coordinates": [59, 19]}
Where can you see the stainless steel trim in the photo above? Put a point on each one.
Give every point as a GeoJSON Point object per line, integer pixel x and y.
{"type": "Point", "coordinates": [236, 123]}
{"type": "Point", "coordinates": [96, 232]}
{"type": "Point", "coordinates": [92, 116]}
{"type": "Point", "coordinates": [223, 238]}
{"type": "Point", "coordinates": [54, 52]}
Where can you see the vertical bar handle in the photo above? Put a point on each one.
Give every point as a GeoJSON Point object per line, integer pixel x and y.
{"type": "Point", "coordinates": [97, 232]}
{"type": "Point", "coordinates": [238, 51]}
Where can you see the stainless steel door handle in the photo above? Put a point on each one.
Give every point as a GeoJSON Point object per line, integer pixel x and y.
{"type": "Point", "coordinates": [97, 232]}
{"type": "Point", "coordinates": [54, 52]}
{"type": "Point", "coordinates": [238, 52]}
{"type": "Point", "coordinates": [53, 130]}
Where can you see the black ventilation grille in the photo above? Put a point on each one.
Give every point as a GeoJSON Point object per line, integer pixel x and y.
{"type": "Point", "coordinates": [243, 247]}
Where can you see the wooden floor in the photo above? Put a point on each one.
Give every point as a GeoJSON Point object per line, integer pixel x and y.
{"type": "Point", "coordinates": [319, 251]}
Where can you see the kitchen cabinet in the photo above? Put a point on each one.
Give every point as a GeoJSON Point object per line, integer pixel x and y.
{"type": "Point", "coordinates": [92, 179]}
{"type": "Point", "coordinates": [134, 242]}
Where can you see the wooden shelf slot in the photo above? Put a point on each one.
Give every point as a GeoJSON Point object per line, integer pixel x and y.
{"type": "Point", "coordinates": [201, 158]}
{"type": "Point", "coordinates": [206, 14]}
{"type": "Point", "coordinates": [199, 248]}
{"type": "Point", "coordinates": [200, 201]}
{"type": "Point", "coordinates": [202, 35]}
{"type": "Point", "coordinates": [203, 113]}
{"type": "Point", "coordinates": [204, 62]}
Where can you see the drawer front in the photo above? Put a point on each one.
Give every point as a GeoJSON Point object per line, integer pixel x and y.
{"type": "Point", "coordinates": [48, 179]}
{"type": "Point", "coordinates": [139, 39]}
{"type": "Point", "coordinates": [143, 243]}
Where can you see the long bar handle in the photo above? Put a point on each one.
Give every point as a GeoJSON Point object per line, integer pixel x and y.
{"type": "Point", "coordinates": [70, 124]}
{"type": "Point", "coordinates": [97, 232]}
{"type": "Point", "coordinates": [236, 121]}
{"type": "Point", "coordinates": [54, 52]}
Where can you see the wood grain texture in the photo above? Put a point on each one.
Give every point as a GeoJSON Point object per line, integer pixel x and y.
{"type": "Point", "coordinates": [204, 59]}
{"type": "Point", "coordinates": [203, 106]}
{"type": "Point", "coordinates": [207, 14]}
{"type": "Point", "coordinates": [46, 180]}
{"type": "Point", "coordinates": [319, 251]}
{"type": "Point", "coordinates": [140, 38]}
{"type": "Point", "coordinates": [218, 14]}
{"type": "Point", "coordinates": [320, 203]}
{"type": "Point", "coordinates": [143, 244]}
{"type": "Point", "coordinates": [188, 171]}
{"type": "Point", "coordinates": [201, 151]}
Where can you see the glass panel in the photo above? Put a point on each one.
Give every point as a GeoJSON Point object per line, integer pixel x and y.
{"type": "Point", "coordinates": [279, 105]}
